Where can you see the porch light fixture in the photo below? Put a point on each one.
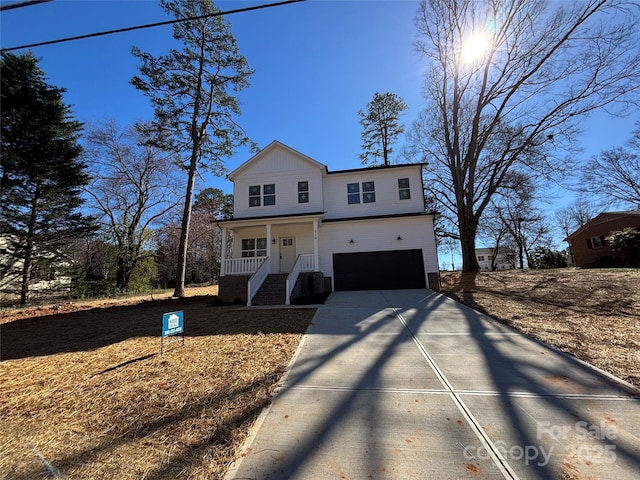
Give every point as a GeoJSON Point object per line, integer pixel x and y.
{"type": "Point", "coordinates": [399, 238]}
{"type": "Point", "coordinates": [351, 241]}
{"type": "Point", "coordinates": [273, 241]}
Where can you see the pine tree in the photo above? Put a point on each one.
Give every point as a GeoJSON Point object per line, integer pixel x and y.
{"type": "Point", "coordinates": [381, 126]}
{"type": "Point", "coordinates": [192, 91]}
{"type": "Point", "coordinates": [42, 176]}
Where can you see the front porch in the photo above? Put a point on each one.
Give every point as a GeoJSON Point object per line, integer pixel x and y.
{"type": "Point", "coordinates": [262, 288]}
{"type": "Point", "coordinates": [256, 249]}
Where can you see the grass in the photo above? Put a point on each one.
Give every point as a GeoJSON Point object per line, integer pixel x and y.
{"type": "Point", "coordinates": [592, 314]}
{"type": "Point", "coordinates": [87, 395]}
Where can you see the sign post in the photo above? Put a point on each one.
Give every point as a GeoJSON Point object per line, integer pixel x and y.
{"type": "Point", "coordinates": [172, 326]}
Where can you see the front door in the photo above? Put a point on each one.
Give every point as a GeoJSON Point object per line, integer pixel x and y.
{"type": "Point", "coordinates": [287, 254]}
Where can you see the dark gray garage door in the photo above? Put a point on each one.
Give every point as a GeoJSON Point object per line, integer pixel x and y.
{"type": "Point", "coordinates": [379, 270]}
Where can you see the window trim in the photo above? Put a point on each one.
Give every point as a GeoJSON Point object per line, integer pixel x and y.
{"type": "Point", "coordinates": [303, 190]}
{"type": "Point", "coordinates": [256, 197]}
{"type": "Point", "coordinates": [361, 192]}
{"type": "Point", "coordinates": [596, 241]}
{"type": "Point", "coordinates": [404, 190]}
{"type": "Point", "coordinates": [253, 251]}
{"type": "Point", "coordinates": [268, 198]}
{"type": "Point", "coordinates": [353, 194]}
{"type": "Point", "coordinates": [262, 195]}
{"type": "Point", "coordinates": [369, 192]}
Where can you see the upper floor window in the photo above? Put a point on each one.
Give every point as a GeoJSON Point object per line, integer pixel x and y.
{"type": "Point", "coordinates": [481, 258]}
{"type": "Point", "coordinates": [254, 247]}
{"type": "Point", "coordinates": [368, 192]}
{"type": "Point", "coordinates": [403, 189]}
{"type": "Point", "coordinates": [303, 192]}
{"type": "Point", "coordinates": [254, 196]}
{"type": "Point", "coordinates": [262, 195]}
{"type": "Point", "coordinates": [269, 194]}
{"type": "Point", "coordinates": [353, 193]}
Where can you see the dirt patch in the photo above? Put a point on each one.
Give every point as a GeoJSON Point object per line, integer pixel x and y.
{"type": "Point", "coordinates": [591, 314]}
{"type": "Point", "coordinates": [87, 395]}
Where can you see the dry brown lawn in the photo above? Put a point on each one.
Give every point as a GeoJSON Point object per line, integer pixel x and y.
{"type": "Point", "coordinates": [85, 393]}
{"type": "Point", "coordinates": [591, 314]}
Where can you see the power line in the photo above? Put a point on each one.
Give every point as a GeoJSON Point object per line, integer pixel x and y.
{"type": "Point", "coordinates": [149, 25]}
{"type": "Point", "coordinates": [29, 3]}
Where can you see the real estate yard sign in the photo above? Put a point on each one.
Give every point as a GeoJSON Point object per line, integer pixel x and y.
{"type": "Point", "coordinates": [172, 325]}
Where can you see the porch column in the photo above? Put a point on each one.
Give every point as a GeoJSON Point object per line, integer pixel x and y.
{"type": "Point", "coordinates": [316, 256]}
{"type": "Point", "coordinates": [269, 241]}
{"type": "Point", "coordinates": [223, 256]}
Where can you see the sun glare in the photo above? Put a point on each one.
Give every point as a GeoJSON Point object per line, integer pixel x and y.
{"type": "Point", "coordinates": [474, 48]}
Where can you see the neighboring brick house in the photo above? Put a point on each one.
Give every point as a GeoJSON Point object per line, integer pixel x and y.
{"type": "Point", "coordinates": [505, 258]}
{"type": "Point", "coordinates": [305, 227]}
{"type": "Point", "coordinates": [588, 246]}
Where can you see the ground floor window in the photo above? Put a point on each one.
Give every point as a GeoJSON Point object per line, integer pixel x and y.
{"type": "Point", "coordinates": [254, 247]}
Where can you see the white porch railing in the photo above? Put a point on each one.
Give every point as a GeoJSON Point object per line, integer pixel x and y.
{"type": "Point", "coordinates": [256, 280]}
{"type": "Point", "coordinates": [304, 263]}
{"type": "Point", "coordinates": [242, 266]}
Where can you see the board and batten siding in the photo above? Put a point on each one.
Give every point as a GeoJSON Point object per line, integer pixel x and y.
{"type": "Point", "coordinates": [284, 169]}
{"type": "Point", "coordinates": [388, 200]}
{"type": "Point", "coordinates": [378, 235]}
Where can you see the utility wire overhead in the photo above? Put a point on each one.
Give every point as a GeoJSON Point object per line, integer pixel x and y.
{"type": "Point", "coordinates": [29, 3]}
{"type": "Point", "coordinates": [149, 25]}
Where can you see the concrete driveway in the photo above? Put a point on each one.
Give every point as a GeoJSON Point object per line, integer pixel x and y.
{"type": "Point", "coordinates": [408, 384]}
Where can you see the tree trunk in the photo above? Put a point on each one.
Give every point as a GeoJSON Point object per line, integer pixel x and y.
{"type": "Point", "coordinates": [120, 283]}
{"type": "Point", "coordinates": [468, 228]}
{"type": "Point", "coordinates": [28, 253]}
{"type": "Point", "coordinates": [184, 233]}
{"type": "Point", "coordinates": [26, 270]}
{"type": "Point", "coordinates": [521, 254]}
{"type": "Point", "coordinates": [467, 244]}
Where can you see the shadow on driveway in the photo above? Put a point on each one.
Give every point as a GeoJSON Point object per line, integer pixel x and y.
{"type": "Point", "coordinates": [410, 384]}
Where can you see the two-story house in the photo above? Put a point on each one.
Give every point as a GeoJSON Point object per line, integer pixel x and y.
{"type": "Point", "coordinates": [299, 228]}
{"type": "Point", "coordinates": [496, 259]}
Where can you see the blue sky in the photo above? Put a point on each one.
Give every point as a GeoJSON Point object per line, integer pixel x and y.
{"type": "Point", "coordinates": [317, 63]}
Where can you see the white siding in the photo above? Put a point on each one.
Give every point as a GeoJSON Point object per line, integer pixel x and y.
{"type": "Point", "coordinates": [378, 235]}
{"type": "Point", "coordinates": [283, 169]}
{"type": "Point", "coordinates": [302, 232]}
{"type": "Point", "coordinates": [386, 189]}
{"type": "Point", "coordinates": [502, 262]}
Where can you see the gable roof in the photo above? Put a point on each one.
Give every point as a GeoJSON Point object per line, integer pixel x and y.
{"type": "Point", "coordinates": [269, 148]}
{"type": "Point", "coordinates": [603, 217]}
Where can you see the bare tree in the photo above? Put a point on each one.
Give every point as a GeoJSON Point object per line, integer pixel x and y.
{"type": "Point", "coordinates": [134, 185]}
{"type": "Point", "coordinates": [514, 207]}
{"type": "Point", "coordinates": [203, 261]}
{"type": "Point", "coordinates": [494, 230]}
{"type": "Point", "coordinates": [575, 215]}
{"type": "Point", "coordinates": [614, 176]}
{"type": "Point", "coordinates": [508, 84]}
